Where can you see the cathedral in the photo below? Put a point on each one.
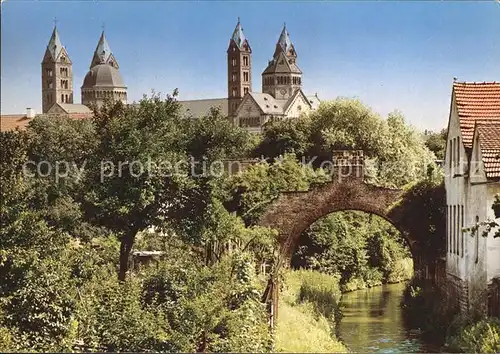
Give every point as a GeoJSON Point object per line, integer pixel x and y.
{"type": "Point", "coordinates": [281, 97]}
{"type": "Point", "coordinates": [102, 81]}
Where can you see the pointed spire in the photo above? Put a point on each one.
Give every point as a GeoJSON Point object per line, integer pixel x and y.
{"type": "Point", "coordinates": [284, 40]}
{"type": "Point", "coordinates": [102, 53]}
{"type": "Point", "coordinates": [238, 35]}
{"type": "Point", "coordinates": [55, 45]}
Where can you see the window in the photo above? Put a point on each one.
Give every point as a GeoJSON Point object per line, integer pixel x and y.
{"type": "Point", "coordinates": [448, 225]}
{"type": "Point", "coordinates": [245, 60]}
{"type": "Point", "coordinates": [245, 90]}
{"type": "Point", "coordinates": [452, 149]}
{"type": "Point", "coordinates": [462, 234]}
{"type": "Point", "coordinates": [233, 77]}
{"type": "Point", "coordinates": [62, 98]}
{"type": "Point", "coordinates": [50, 84]}
{"type": "Point", "coordinates": [245, 76]}
{"type": "Point", "coordinates": [453, 247]}
{"type": "Point", "coordinates": [235, 92]}
{"type": "Point", "coordinates": [233, 61]}
{"type": "Point", "coordinates": [67, 99]}
{"type": "Point", "coordinates": [459, 232]}
{"type": "Point", "coordinates": [48, 72]}
{"type": "Point", "coordinates": [477, 240]}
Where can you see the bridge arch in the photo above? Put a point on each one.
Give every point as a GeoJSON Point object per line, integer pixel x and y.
{"type": "Point", "coordinates": [293, 212]}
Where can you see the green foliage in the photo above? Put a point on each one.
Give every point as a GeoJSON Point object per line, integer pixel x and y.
{"type": "Point", "coordinates": [436, 142]}
{"type": "Point", "coordinates": [41, 311]}
{"type": "Point", "coordinates": [487, 224]}
{"type": "Point", "coordinates": [254, 189]}
{"type": "Point", "coordinates": [479, 337]}
{"type": "Point", "coordinates": [323, 291]}
{"type": "Point", "coordinates": [424, 309]}
{"type": "Point", "coordinates": [428, 200]}
{"type": "Point", "coordinates": [395, 152]}
{"type": "Point", "coordinates": [364, 250]}
{"type": "Point", "coordinates": [301, 326]}
{"type": "Point", "coordinates": [213, 308]}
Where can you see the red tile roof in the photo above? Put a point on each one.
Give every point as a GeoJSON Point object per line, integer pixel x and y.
{"type": "Point", "coordinates": [12, 121]}
{"type": "Point", "coordinates": [489, 141]}
{"type": "Point", "coordinates": [476, 101]}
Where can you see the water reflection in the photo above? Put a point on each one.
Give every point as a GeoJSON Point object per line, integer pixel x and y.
{"type": "Point", "coordinates": [372, 322]}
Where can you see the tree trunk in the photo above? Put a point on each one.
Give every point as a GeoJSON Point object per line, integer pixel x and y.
{"type": "Point", "coordinates": [125, 247]}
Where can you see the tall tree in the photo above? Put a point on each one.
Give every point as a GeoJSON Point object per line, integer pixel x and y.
{"type": "Point", "coordinates": [139, 169]}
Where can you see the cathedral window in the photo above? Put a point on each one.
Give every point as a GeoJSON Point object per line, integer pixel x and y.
{"type": "Point", "coordinates": [233, 61]}
{"type": "Point", "coordinates": [50, 84]}
{"type": "Point", "coordinates": [233, 77]}
{"type": "Point", "coordinates": [62, 98]}
{"type": "Point", "coordinates": [67, 99]}
{"type": "Point", "coordinates": [48, 72]}
{"type": "Point", "coordinates": [245, 90]}
{"type": "Point", "coordinates": [245, 76]}
{"type": "Point", "coordinates": [245, 60]}
{"type": "Point", "coordinates": [235, 92]}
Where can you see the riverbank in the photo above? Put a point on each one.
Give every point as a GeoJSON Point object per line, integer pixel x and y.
{"type": "Point", "coordinates": [310, 313]}
{"type": "Point", "coordinates": [372, 322]}
{"type": "Point", "coordinates": [306, 319]}
{"type": "Point", "coordinates": [425, 308]}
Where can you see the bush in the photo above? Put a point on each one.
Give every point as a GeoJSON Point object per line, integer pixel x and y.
{"type": "Point", "coordinates": [307, 311]}
{"type": "Point", "coordinates": [424, 309]}
{"type": "Point", "coordinates": [480, 337]}
{"type": "Point", "coordinates": [322, 290]}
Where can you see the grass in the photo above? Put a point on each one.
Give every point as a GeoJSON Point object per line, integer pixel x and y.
{"type": "Point", "coordinates": [301, 325]}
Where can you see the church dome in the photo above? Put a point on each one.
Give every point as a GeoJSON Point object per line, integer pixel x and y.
{"type": "Point", "coordinates": [103, 75]}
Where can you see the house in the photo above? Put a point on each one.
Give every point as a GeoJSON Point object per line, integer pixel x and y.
{"type": "Point", "coordinates": [472, 179]}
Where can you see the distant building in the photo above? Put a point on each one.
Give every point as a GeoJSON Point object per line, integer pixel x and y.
{"type": "Point", "coordinates": [281, 97]}
{"type": "Point", "coordinates": [472, 179]}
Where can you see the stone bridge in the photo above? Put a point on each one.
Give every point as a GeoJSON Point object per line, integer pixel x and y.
{"type": "Point", "coordinates": [293, 212]}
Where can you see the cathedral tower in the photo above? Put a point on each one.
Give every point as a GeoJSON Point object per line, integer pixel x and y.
{"type": "Point", "coordinates": [239, 69]}
{"type": "Point", "coordinates": [103, 81]}
{"type": "Point", "coordinates": [57, 74]}
{"type": "Point", "coordinates": [282, 77]}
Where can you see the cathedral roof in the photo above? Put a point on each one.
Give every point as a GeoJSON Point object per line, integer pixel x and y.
{"type": "Point", "coordinates": [103, 75]}
{"type": "Point", "coordinates": [284, 56]}
{"type": "Point", "coordinates": [103, 53]}
{"type": "Point", "coordinates": [200, 108]}
{"type": "Point", "coordinates": [238, 36]}
{"type": "Point", "coordinates": [55, 45]}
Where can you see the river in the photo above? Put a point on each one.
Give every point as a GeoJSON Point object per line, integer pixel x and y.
{"type": "Point", "coordinates": [372, 322]}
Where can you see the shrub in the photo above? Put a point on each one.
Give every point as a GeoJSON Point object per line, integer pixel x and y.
{"type": "Point", "coordinates": [322, 290]}
{"type": "Point", "coordinates": [479, 337]}
{"type": "Point", "coordinates": [424, 309]}
{"type": "Point", "coordinates": [302, 326]}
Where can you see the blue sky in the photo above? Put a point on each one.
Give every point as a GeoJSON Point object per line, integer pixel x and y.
{"type": "Point", "coordinates": [391, 55]}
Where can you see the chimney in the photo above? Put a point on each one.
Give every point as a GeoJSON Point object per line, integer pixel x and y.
{"type": "Point", "coordinates": [30, 113]}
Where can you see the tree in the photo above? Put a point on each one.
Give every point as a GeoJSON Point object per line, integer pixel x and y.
{"type": "Point", "coordinates": [436, 142]}
{"type": "Point", "coordinates": [138, 170]}
{"type": "Point", "coordinates": [394, 152]}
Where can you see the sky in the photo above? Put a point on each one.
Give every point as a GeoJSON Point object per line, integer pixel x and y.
{"type": "Point", "coordinates": [391, 55]}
